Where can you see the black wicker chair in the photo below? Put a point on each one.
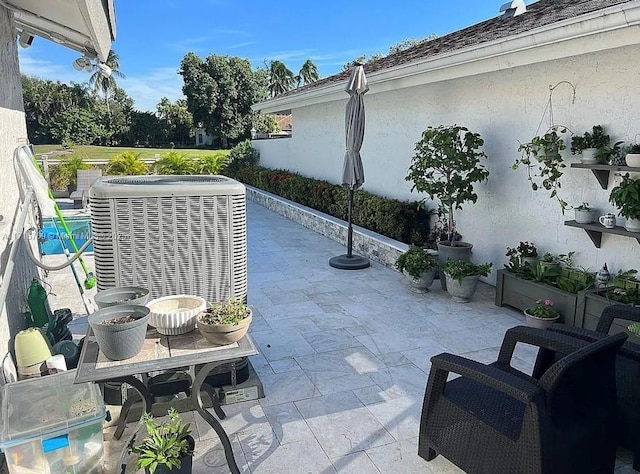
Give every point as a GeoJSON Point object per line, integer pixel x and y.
{"type": "Point", "coordinates": [627, 372]}
{"type": "Point", "coordinates": [496, 419]}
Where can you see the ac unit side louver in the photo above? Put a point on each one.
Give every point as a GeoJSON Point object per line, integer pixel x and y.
{"type": "Point", "coordinates": [171, 234]}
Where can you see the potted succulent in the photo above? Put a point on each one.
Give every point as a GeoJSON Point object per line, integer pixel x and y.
{"type": "Point", "coordinates": [167, 447]}
{"type": "Point", "coordinates": [446, 165]}
{"type": "Point", "coordinates": [541, 315]}
{"type": "Point", "coordinates": [626, 196]}
{"type": "Point", "coordinates": [225, 323]}
{"type": "Point", "coordinates": [585, 214]}
{"type": "Point", "coordinates": [419, 266]}
{"type": "Point", "coordinates": [462, 278]}
{"type": "Point", "coordinates": [544, 162]}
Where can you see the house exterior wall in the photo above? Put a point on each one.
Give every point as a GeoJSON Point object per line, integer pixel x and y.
{"type": "Point", "coordinates": [202, 138]}
{"type": "Point", "coordinates": [505, 107]}
{"type": "Point", "coordinates": [12, 132]}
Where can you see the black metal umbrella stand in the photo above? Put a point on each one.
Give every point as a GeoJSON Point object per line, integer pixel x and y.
{"type": "Point", "coordinates": [349, 261]}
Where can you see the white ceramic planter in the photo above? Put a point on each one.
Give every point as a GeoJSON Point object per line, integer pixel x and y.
{"type": "Point", "coordinates": [176, 314]}
{"type": "Point", "coordinates": [589, 155]}
{"type": "Point", "coordinates": [633, 160]}
{"type": "Point", "coordinates": [585, 217]}
{"type": "Point", "coordinates": [422, 283]}
{"type": "Point", "coordinates": [461, 292]}
{"type": "Point", "coordinates": [632, 225]}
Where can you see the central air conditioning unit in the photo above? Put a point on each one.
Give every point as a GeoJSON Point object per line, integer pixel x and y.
{"type": "Point", "coordinates": [171, 234]}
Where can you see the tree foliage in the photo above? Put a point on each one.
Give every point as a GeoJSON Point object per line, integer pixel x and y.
{"type": "Point", "coordinates": [308, 73]}
{"type": "Point", "coordinates": [177, 121]}
{"type": "Point", "coordinates": [220, 91]}
{"type": "Point", "coordinates": [103, 84]}
{"type": "Point", "coordinates": [280, 79]}
{"type": "Point", "coordinates": [395, 48]}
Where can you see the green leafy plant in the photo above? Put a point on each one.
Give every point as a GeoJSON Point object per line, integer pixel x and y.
{"type": "Point", "coordinates": [70, 165]}
{"type": "Point", "coordinates": [575, 279]}
{"type": "Point", "coordinates": [633, 148]}
{"type": "Point", "coordinates": [583, 207]}
{"type": "Point", "coordinates": [231, 311]}
{"type": "Point", "coordinates": [126, 163]}
{"type": "Point", "coordinates": [524, 249]}
{"type": "Point", "coordinates": [544, 274]}
{"type": "Point", "coordinates": [634, 328]}
{"type": "Point", "coordinates": [596, 139]}
{"type": "Point", "coordinates": [243, 155]}
{"type": "Point", "coordinates": [416, 261]}
{"type": "Point", "coordinates": [623, 295]}
{"type": "Point", "coordinates": [561, 259]}
{"type": "Point", "coordinates": [446, 165]}
{"type": "Point", "coordinates": [544, 163]}
{"type": "Point", "coordinates": [165, 444]}
{"type": "Point", "coordinates": [626, 196]}
{"type": "Point", "coordinates": [212, 164]}
{"type": "Point", "coordinates": [543, 309]}
{"type": "Point", "coordinates": [626, 279]}
{"type": "Point", "coordinates": [459, 269]}
{"type": "Point", "coordinates": [175, 163]}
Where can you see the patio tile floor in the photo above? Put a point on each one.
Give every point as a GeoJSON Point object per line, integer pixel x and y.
{"type": "Point", "coordinates": [344, 359]}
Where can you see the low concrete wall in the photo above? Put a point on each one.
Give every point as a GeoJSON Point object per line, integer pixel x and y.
{"type": "Point", "coordinates": [375, 246]}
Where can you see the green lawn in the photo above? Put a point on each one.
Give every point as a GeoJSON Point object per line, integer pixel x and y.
{"type": "Point", "coordinates": [106, 152]}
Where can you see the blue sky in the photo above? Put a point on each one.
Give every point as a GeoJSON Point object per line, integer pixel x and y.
{"type": "Point", "coordinates": [154, 35]}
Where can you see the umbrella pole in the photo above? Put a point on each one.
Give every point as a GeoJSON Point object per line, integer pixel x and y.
{"type": "Point", "coordinates": [350, 225]}
{"type": "Point", "coordinates": [349, 261]}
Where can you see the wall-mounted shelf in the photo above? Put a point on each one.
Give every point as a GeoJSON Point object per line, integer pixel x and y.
{"type": "Point", "coordinates": [595, 230]}
{"type": "Point", "coordinates": [601, 172]}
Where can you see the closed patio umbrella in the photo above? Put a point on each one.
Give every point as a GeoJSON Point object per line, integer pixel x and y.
{"type": "Point", "coordinates": [352, 172]}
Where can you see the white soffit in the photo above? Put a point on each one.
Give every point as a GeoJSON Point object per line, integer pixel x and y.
{"type": "Point", "coordinates": [87, 26]}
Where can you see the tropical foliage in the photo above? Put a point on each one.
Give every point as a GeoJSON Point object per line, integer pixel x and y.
{"type": "Point", "coordinates": [308, 73]}
{"type": "Point", "coordinates": [107, 84]}
{"type": "Point", "coordinates": [127, 163]}
{"type": "Point", "coordinates": [280, 79]}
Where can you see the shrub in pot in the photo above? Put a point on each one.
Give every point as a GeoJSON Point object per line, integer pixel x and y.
{"type": "Point", "coordinates": [446, 165]}
{"type": "Point", "coordinates": [225, 323]}
{"type": "Point", "coordinates": [419, 266]}
{"type": "Point", "coordinates": [626, 196]}
{"type": "Point", "coordinates": [591, 145]}
{"type": "Point", "coordinates": [632, 155]}
{"type": "Point", "coordinates": [525, 254]}
{"type": "Point", "coordinates": [167, 447]}
{"type": "Point", "coordinates": [462, 278]}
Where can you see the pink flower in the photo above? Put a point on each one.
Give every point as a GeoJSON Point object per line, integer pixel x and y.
{"type": "Point", "coordinates": [548, 302]}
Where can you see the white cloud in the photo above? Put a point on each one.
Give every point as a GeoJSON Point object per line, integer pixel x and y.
{"type": "Point", "coordinates": [48, 70]}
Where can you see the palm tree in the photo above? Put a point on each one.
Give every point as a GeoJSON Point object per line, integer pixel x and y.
{"type": "Point", "coordinates": [107, 84]}
{"type": "Point", "coordinates": [308, 73]}
{"type": "Point", "coordinates": [280, 78]}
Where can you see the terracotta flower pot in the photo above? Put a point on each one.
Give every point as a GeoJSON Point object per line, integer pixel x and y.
{"type": "Point", "coordinates": [223, 334]}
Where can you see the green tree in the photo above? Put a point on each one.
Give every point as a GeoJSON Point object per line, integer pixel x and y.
{"type": "Point", "coordinates": [146, 129]}
{"type": "Point", "coordinates": [75, 125]}
{"type": "Point", "coordinates": [280, 78]}
{"type": "Point", "coordinates": [308, 73]}
{"type": "Point", "coordinates": [176, 119]}
{"type": "Point", "coordinates": [103, 84]}
{"type": "Point", "coordinates": [263, 123]}
{"type": "Point", "coordinates": [220, 91]}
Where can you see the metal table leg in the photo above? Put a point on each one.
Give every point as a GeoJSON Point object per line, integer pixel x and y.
{"type": "Point", "coordinates": [224, 439]}
{"type": "Point", "coordinates": [147, 403]}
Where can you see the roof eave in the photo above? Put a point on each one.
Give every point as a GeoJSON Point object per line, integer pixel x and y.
{"type": "Point", "coordinates": [503, 53]}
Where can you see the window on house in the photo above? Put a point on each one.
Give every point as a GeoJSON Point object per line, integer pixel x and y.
{"type": "Point", "coordinates": [200, 139]}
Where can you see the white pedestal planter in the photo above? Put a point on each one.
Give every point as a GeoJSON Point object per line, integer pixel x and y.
{"type": "Point", "coordinates": [462, 292]}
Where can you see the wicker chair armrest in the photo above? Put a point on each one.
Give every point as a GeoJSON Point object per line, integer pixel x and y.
{"type": "Point", "coordinates": [516, 387]}
{"type": "Point", "coordinates": [629, 349]}
{"type": "Point", "coordinates": [617, 311]}
{"type": "Point", "coordinates": [542, 338]}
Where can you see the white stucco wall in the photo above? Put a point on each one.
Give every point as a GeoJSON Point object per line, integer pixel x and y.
{"type": "Point", "coordinates": [504, 107]}
{"type": "Point", "coordinates": [12, 132]}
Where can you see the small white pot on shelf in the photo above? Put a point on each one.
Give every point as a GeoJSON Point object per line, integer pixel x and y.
{"type": "Point", "coordinates": [176, 314]}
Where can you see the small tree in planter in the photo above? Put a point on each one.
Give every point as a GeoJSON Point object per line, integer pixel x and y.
{"type": "Point", "coordinates": [626, 196]}
{"type": "Point", "coordinates": [446, 165]}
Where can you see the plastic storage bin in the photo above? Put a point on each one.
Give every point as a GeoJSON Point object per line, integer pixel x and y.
{"type": "Point", "coordinates": [51, 426]}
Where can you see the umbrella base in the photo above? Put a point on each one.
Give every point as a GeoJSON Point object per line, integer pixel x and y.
{"type": "Point", "coordinates": [353, 262]}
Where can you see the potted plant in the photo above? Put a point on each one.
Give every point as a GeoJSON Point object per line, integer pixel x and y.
{"type": "Point", "coordinates": [626, 196]}
{"type": "Point", "coordinates": [167, 447]}
{"type": "Point", "coordinates": [526, 253]}
{"type": "Point", "coordinates": [462, 278]}
{"type": "Point", "coordinates": [632, 155]}
{"type": "Point", "coordinates": [446, 165]}
{"type": "Point", "coordinates": [541, 315]}
{"type": "Point", "coordinates": [544, 162]}
{"type": "Point", "coordinates": [419, 266]}
{"type": "Point", "coordinates": [585, 214]}
{"type": "Point", "coordinates": [120, 330]}
{"type": "Point", "coordinates": [550, 260]}
{"type": "Point", "coordinates": [590, 145]}
{"type": "Point", "coordinates": [225, 323]}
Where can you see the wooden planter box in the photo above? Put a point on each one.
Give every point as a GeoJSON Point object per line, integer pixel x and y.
{"type": "Point", "coordinates": [521, 294]}
{"type": "Point", "coordinates": [590, 306]}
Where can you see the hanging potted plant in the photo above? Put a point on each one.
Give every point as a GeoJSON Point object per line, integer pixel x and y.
{"type": "Point", "coordinates": [419, 266]}
{"type": "Point", "coordinates": [626, 196]}
{"type": "Point", "coordinates": [544, 162]}
{"type": "Point", "coordinates": [167, 448]}
{"type": "Point", "coordinates": [462, 278]}
{"type": "Point", "coordinates": [541, 315]}
{"type": "Point", "coordinates": [446, 165]}
{"type": "Point", "coordinates": [225, 323]}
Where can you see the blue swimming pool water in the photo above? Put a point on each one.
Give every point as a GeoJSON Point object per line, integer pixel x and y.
{"type": "Point", "coordinates": [52, 235]}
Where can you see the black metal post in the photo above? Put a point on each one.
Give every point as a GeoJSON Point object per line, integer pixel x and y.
{"type": "Point", "coordinates": [349, 261]}
{"type": "Point", "coordinates": [350, 225]}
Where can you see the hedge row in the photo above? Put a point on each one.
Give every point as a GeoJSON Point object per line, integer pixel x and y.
{"type": "Point", "coordinates": [405, 221]}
